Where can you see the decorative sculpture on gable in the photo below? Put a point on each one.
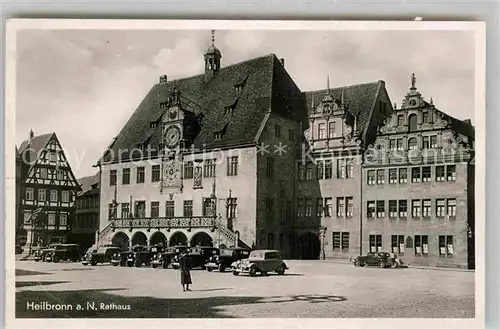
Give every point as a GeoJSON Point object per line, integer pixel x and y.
{"type": "Point", "coordinates": [197, 177]}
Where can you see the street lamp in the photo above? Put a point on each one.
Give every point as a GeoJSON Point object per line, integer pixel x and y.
{"type": "Point", "coordinates": [323, 234]}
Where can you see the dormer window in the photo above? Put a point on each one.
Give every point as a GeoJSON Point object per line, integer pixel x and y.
{"type": "Point", "coordinates": [230, 108]}
{"type": "Point", "coordinates": [240, 85]}
{"type": "Point", "coordinates": [163, 105]}
{"type": "Point", "coordinates": [217, 136]}
{"type": "Point", "coordinates": [153, 124]}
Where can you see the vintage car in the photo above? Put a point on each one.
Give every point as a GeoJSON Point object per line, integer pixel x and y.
{"type": "Point", "coordinates": [164, 259]}
{"type": "Point", "coordinates": [196, 257]}
{"type": "Point", "coordinates": [60, 252]}
{"type": "Point", "coordinates": [101, 256]}
{"type": "Point", "coordinates": [135, 256]}
{"type": "Point", "coordinates": [38, 253]}
{"type": "Point", "coordinates": [260, 261]}
{"type": "Point", "coordinates": [227, 257]}
{"type": "Point", "coordinates": [397, 262]}
{"type": "Point", "coordinates": [86, 257]}
{"type": "Point", "coordinates": [380, 259]}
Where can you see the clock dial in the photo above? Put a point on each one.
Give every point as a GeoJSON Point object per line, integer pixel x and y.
{"type": "Point", "coordinates": [172, 136]}
{"type": "Point", "coordinates": [172, 113]}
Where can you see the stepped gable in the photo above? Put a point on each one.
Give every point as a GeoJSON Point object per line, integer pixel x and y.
{"type": "Point", "coordinates": [360, 98]}
{"type": "Point", "coordinates": [258, 79]}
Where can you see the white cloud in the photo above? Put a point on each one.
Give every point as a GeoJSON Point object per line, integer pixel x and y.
{"type": "Point", "coordinates": [182, 60]}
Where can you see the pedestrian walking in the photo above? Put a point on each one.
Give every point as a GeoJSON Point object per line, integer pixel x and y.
{"type": "Point", "coordinates": [185, 272]}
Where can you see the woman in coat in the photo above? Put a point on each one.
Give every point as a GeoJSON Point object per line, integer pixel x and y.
{"type": "Point", "coordinates": [185, 272]}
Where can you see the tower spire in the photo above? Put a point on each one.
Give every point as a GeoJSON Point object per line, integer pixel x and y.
{"type": "Point", "coordinates": [213, 37]}
{"type": "Point", "coordinates": [328, 83]}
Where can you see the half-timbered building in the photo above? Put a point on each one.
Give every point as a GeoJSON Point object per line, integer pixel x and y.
{"type": "Point", "coordinates": [47, 191]}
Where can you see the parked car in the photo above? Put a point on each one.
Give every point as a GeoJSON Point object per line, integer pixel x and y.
{"type": "Point", "coordinates": [38, 253]}
{"type": "Point", "coordinates": [397, 262]}
{"type": "Point", "coordinates": [164, 258]}
{"type": "Point", "coordinates": [380, 259]}
{"type": "Point", "coordinates": [129, 257]}
{"type": "Point", "coordinates": [102, 255]}
{"type": "Point", "coordinates": [44, 251]}
{"type": "Point", "coordinates": [19, 249]}
{"type": "Point", "coordinates": [196, 257]}
{"type": "Point", "coordinates": [227, 257]}
{"type": "Point", "coordinates": [86, 258]}
{"type": "Point", "coordinates": [64, 252]}
{"type": "Point", "coordinates": [260, 261]}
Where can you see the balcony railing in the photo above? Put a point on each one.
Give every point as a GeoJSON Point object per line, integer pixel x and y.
{"type": "Point", "coordinates": [168, 223]}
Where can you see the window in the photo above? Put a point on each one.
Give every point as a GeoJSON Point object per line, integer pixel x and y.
{"type": "Point", "coordinates": [269, 209]}
{"type": "Point", "coordinates": [393, 176]}
{"type": "Point", "coordinates": [403, 175]}
{"type": "Point", "coordinates": [309, 171]}
{"type": "Point", "coordinates": [65, 196]}
{"type": "Point", "coordinates": [328, 207]}
{"type": "Point", "coordinates": [433, 142]}
{"type": "Point", "coordinates": [27, 218]}
{"type": "Point", "coordinates": [300, 207]}
{"type": "Point", "coordinates": [439, 173]}
{"type": "Point", "coordinates": [63, 219]}
{"type": "Point", "coordinates": [270, 240]}
{"type": "Point", "coordinates": [371, 177]}
{"type": "Point", "coordinates": [53, 195]}
{"type": "Point", "coordinates": [341, 168]}
{"type": "Point", "coordinates": [425, 142]}
{"type": "Point", "coordinates": [321, 131]}
{"type": "Point", "coordinates": [426, 174]}
{"type": "Point", "coordinates": [231, 207]}
{"type": "Point", "coordinates": [412, 122]}
{"type": "Point", "coordinates": [415, 175]}
{"type": "Point", "coordinates": [350, 206]}
{"type": "Point", "coordinates": [403, 208]}
{"type": "Point", "coordinates": [350, 168]}
{"type": "Point", "coordinates": [398, 244]}
{"type": "Point", "coordinates": [30, 193]}
{"type": "Point", "coordinates": [341, 241]}
{"type": "Point", "coordinates": [140, 175]}
{"type": "Point", "coordinates": [451, 173]}
{"type": "Point", "coordinates": [446, 245]}
{"type": "Point", "coordinates": [60, 174]}
{"type": "Point", "coordinates": [399, 143]}
{"type": "Point", "coordinates": [421, 245]}
{"type": "Point", "coordinates": [169, 209]}
{"type": "Point", "coordinates": [155, 209]}
{"type": "Point", "coordinates": [331, 130]}
{"type": "Point", "coordinates": [140, 209]}
{"type": "Point", "coordinates": [380, 176]}
{"type": "Point", "coordinates": [126, 176]}
{"type": "Point", "coordinates": [409, 242]}
{"type": "Point", "coordinates": [401, 120]}
{"type": "Point", "coordinates": [380, 209]}
{"type": "Point", "coordinates": [232, 166]}
{"type": "Point", "coordinates": [375, 242]}
{"type": "Point", "coordinates": [370, 209]}
{"type": "Point", "coordinates": [415, 208]}
{"type": "Point", "coordinates": [125, 210]}
{"type": "Point", "coordinates": [426, 208]}
{"type": "Point", "coordinates": [301, 172]}
{"type": "Point", "coordinates": [425, 117]}
{"type": "Point", "coordinates": [392, 144]}
{"type": "Point", "coordinates": [112, 177]}
{"type": "Point", "coordinates": [340, 207]}
{"type": "Point", "coordinates": [51, 217]}
{"type": "Point", "coordinates": [188, 170]}
{"type": "Point", "coordinates": [440, 208]}
{"type": "Point", "coordinates": [320, 169]}
{"type": "Point", "coordinates": [308, 208]}
{"type": "Point", "coordinates": [277, 130]}
{"type": "Point", "coordinates": [393, 208]}
{"type": "Point", "coordinates": [412, 144]}
{"type": "Point", "coordinates": [209, 168]}
{"type": "Point", "coordinates": [270, 167]}
{"type": "Point", "coordinates": [44, 173]}
{"type": "Point", "coordinates": [291, 134]}
{"type": "Point", "coordinates": [328, 169]}
{"type": "Point", "coordinates": [188, 208]}
{"type": "Point", "coordinates": [42, 195]}
{"type": "Point", "coordinates": [155, 173]}
{"type": "Point", "coordinates": [451, 208]}
{"type": "Point", "coordinates": [319, 207]}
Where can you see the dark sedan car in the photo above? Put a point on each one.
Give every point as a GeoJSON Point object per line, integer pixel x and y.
{"type": "Point", "coordinates": [101, 256]}
{"type": "Point", "coordinates": [380, 259]}
{"type": "Point", "coordinates": [164, 259]}
{"type": "Point", "coordinates": [197, 257]}
{"type": "Point", "coordinates": [70, 252]}
{"type": "Point", "coordinates": [131, 257]}
{"type": "Point", "coordinates": [226, 257]}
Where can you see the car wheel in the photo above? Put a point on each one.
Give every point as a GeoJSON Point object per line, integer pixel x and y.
{"type": "Point", "coordinates": [253, 271]}
{"type": "Point", "coordinates": [55, 260]}
{"type": "Point", "coordinates": [93, 263]}
{"type": "Point", "coordinates": [209, 269]}
{"type": "Point", "coordinates": [154, 266]}
{"type": "Point", "coordinates": [235, 273]}
{"type": "Point", "coordinates": [222, 268]}
{"type": "Point", "coordinates": [394, 265]}
{"type": "Point", "coordinates": [381, 264]}
{"type": "Point", "coordinates": [84, 264]}
{"type": "Point", "coordinates": [137, 263]}
{"type": "Point", "coordinates": [37, 260]}
{"type": "Point", "coordinates": [356, 263]}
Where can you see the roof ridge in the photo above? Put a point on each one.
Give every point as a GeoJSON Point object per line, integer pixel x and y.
{"type": "Point", "coordinates": [346, 86]}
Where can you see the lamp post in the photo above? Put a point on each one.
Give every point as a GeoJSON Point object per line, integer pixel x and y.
{"type": "Point", "coordinates": [323, 234]}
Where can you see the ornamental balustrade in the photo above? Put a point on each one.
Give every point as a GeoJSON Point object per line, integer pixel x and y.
{"type": "Point", "coordinates": [168, 223]}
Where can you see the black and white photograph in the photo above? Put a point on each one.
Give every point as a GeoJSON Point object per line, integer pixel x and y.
{"type": "Point", "coordinates": [245, 169]}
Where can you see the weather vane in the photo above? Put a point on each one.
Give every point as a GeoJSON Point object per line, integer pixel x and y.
{"type": "Point", "coordinates": [213, 37]}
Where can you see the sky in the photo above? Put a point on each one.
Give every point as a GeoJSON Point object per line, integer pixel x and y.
{"type": "Point", "coordinates": [85, 84]}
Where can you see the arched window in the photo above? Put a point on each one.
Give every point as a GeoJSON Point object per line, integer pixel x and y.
{"type": "Point", "coordinates": [409, 242]}
{"type": "Point", "coordinates": [412, 122]}
{"type": "Point", "coordinates": [412, 143]}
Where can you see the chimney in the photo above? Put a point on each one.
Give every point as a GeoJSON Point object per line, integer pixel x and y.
{"type": "Point", "coordinates": [282, 61]}
{"type": "Point", "coordinates": [32, 134]}
{"type": "Point", "coordinates": [163, 78]}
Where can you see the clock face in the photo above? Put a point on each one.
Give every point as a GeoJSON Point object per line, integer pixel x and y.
{"type": "Point", "coordinates": [172, 113]}
{"type": "Point", "coordinates": [172, 136]}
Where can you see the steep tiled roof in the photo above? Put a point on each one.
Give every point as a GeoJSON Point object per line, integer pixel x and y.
{"type": "Point", "coordinates": [30, 149]}
{"type": "Point", "coordinates": [87, 182]}
{"type": "Point", "coordinates": [262, 88]}
{"type": "Point", "coordinates": [360, 99]}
